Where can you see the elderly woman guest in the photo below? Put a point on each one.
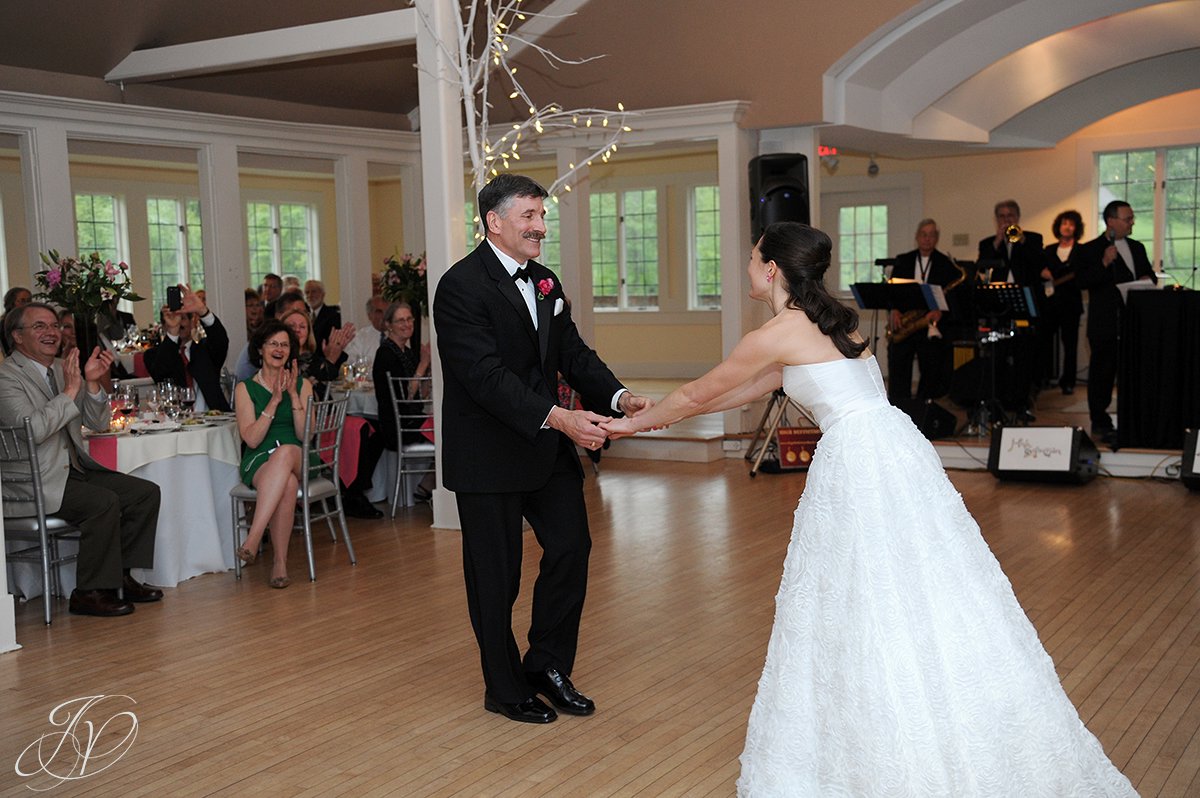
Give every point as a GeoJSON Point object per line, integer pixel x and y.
{"type": "Point", "coordinates": [397, 358]}
{"type": "Point", "coordinates": [321, 366]}
{"type": "Point", "coordinates": [270, 416]}
{"type": "Point", "coordinates": [1066, 301]}
{"type": "Point", "coordinates": [66, 327]}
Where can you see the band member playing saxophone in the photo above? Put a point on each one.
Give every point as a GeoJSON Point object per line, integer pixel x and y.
{"type": "Point", "coordinates": [916, 333]}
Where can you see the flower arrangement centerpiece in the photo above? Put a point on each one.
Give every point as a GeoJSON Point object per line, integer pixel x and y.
{"type": "Point", "coordinates": [404, 281]}
{"type": "Point", "coordinates": [82, 285]}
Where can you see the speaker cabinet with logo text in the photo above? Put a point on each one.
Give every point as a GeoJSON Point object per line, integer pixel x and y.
{"type": "Point", "coordinates": [1043, 454]}
{"type": "Point", "coordinates": [778, 190]}
{"type": "Point", "coordinates": [1189, 474]}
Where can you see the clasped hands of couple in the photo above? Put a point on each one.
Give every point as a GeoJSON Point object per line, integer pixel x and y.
{"type": "Point", "coordinates": [590, 430]}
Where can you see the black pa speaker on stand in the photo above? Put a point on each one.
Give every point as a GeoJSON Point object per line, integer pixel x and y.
{"type": "Point", "coordinates": [933, 420]}
{"type": "Point", "coordinates": [778, 190]}
{"type": "Point", "coordinates": [1043, 454]}
{"type": "Point", "coordinates": [1189, 474]}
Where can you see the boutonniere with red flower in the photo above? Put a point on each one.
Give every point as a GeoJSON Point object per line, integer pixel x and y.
{"type": "Point", "coordinates": [544, 287]}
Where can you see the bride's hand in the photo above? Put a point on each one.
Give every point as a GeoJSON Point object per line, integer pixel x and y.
{"type": "Point", "coordinates": [619, 428]}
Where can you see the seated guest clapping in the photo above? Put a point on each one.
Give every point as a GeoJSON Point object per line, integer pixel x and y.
{"type": "Point", "coordinates": [270, 416]}
{"type": "Point", "coordinates": [319, 365]}
{"type": "Point", "coordinates": [187, 363]}
{"type": "Point", "coordinates": [116, 513]}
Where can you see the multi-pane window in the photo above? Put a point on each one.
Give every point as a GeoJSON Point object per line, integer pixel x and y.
{"type": "Point", "coordinates": [98, 225]}
{"type": "Point", "coordinates": [282, 240]}
{"type": "Point", "coordinates": [1130, 176]}
{"type": "Point", "coordinates": [1181, 235]}
{"type": "Point", "coordinates": [625, 249]}
{"type": "Point", "coordinates": [176, 254]}
{"type": "Point", "coordinates": [706, 248]}
{"type": "Point", "coordinates": [862, 238]}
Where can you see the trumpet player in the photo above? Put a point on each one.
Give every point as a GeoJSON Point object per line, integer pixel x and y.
{"type": "Point", "coordinates": [917, 334]}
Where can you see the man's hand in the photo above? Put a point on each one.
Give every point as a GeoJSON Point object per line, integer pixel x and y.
{"type": "Point", "coordinates": [171, 321]}
{"type": "Point", "coordinates": [96, 367]}
{"type": "Point", "coordinates": [1110, 254]}
{"type": "Point", "coordinates": [192, 303]}
{"type": "Point", "coordinates": [72, 380]}
{"type": "Point", "coordinates": [632, 405]}
{"type": "Point", "coordinates": [579, 425]}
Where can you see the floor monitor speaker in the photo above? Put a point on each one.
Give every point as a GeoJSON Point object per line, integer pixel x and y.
{"type": "Point", "coordinates": [1190, 473]}
{"type": "Point", "coordinates": [1043, 454]}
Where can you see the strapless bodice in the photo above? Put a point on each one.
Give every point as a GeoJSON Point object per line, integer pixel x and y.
{"type": "Point", "coordinates": [835, 389]}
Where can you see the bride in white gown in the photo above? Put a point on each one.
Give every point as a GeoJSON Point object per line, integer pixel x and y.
{"type": "Point", "coordinates": [900, 663]}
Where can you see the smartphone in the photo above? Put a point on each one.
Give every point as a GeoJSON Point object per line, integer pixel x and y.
{"type": "Point", "coordinates": [174, 297]}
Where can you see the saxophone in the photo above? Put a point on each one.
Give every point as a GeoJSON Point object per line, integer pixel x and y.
{"type": "Point", "coordinates": [913, 321]}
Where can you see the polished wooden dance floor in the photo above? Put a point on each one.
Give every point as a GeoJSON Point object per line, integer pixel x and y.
{"type": "Point", "coordinates": [367, 683]}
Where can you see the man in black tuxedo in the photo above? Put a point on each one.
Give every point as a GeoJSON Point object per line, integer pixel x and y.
{"type": "Point", "coordinates": [326, 318]}
{"type": "Point", "coordinates": [504, 334]}
{"type": "Point", "coordinates": [1021, 262]}
{"type": "Point", "coordinates": [931, 349]}
{"type": "Point", "coordinates": [179, 360]}
{"type": "Point", "coordinates": [1107, 261]}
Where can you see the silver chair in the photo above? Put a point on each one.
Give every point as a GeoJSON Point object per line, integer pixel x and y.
{"type": "Point", "coordinates": [319, 482]}
{"type": "Point", "coordinates": [19, 465]}
{"type": "Point", "coordinates": [409, 396]}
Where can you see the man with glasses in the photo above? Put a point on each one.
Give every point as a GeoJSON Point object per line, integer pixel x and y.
{"type": "Point", "coordinates": [1106, 262]}
{"type": "Point", "coordinates": [116, 513]}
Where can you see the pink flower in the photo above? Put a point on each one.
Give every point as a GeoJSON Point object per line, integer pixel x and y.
{"type": "Point", "coordinates": [110, 270]}
{"type": "Point", "coordinates": [421, 268]}
{"type": "Point", "coordinates": [544, 287]}
{"type": "Point", "coordinates": [53, 278]}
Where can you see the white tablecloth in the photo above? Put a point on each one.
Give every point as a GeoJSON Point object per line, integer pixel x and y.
{"type": "Point", "coordinates": [195, 469]}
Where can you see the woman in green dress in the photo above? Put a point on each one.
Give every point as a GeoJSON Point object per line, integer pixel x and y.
{"type": "Point", "coordinates": [272, 431]}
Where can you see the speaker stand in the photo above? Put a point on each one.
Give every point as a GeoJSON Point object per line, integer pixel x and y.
{"type": "Point", "coordinates": [767, 434]}
{"type": "Point", "coordinates": [989, 412]}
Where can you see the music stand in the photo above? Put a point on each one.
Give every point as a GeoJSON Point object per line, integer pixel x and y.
{"type": "Point", "coordinates": [1005, 306]}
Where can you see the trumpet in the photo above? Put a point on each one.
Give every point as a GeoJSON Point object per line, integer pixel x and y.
{"type": "Point", "coordinates": [1013, 233]}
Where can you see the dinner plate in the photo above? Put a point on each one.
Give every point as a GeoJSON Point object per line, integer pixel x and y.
{"type": "Point", "coordinates": [152, 425]}
{"type": "Point", "coordinates": [196, 423]}
{"type": "Point", "coordinates": [112, 433]}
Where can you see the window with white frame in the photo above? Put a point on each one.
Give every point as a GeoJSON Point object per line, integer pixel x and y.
{"type": "Point", "coordinates": [625, 249]}
{"type": "Point", "coordinates": [862, 238]}
{"type": "Point", "coordinates": [705, 249]}
{"type": "Point", "coordinates": [1181, 234]}
{"type": "Point", "coordinates": [100, 226]}
{"type": "Point", "coordinates": [1130, 177]}
{"type": "Point", "coordinates": [282, 239]}
{"type": "Point", "coordinates": [176, 253]}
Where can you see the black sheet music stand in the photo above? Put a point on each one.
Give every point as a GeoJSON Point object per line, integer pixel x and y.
{"type": "Point", "coordinates": [1002, 307]}
{"type": "Point", "coordinates": [891, 296]}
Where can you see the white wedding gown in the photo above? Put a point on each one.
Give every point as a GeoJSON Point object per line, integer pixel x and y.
{"type": "Point", "coordinates": [900, 663]}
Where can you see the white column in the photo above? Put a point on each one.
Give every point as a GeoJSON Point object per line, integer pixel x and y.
{"type": "Point", "coordinates": [735, 148]}
{"type": "Point", "coordinates": [442, 181]}
{"type": "Point", "coordinates": [354, 234]}
{"type": "Point", "coordinates": [575, 236]}
{"type": "Point", "coordinates": [46, 183]}
{"type": "Point", "coordinates": [223, 222]}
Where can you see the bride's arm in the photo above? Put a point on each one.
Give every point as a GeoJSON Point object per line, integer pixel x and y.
{"type": "Point", "coordinates": [750, 371]}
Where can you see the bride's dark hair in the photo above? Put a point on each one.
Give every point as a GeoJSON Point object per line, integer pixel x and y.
{"type": "Point", "coordinates": [802, 255]}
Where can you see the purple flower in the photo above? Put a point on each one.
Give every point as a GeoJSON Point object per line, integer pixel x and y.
{"type": "Point", "coordinates": [53, 278]}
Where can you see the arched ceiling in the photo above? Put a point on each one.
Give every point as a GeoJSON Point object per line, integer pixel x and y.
{"type": "Point", "coordinates": [996, 74]}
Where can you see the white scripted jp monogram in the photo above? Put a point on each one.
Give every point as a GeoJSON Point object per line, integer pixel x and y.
{"type": "Point", "coordinates": [92, 736]}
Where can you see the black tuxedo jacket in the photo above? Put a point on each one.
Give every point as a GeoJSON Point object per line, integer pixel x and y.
{"type": "Point", "coordinates": [1067, 295]}
{"type": "Point", "coordinates": [1104, 298]}
{"type": "Point", "coordinates": [1025, 263]}
{"type": "Point", "coordinates": [326, 321]}
{"type": "Point", "coordinates": [500, 375]}
{"type": "Point", "coordinates": [207, 357]}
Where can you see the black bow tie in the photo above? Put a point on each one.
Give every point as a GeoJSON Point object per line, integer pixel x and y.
{"type": "Point", "coordinates": [521, 273]}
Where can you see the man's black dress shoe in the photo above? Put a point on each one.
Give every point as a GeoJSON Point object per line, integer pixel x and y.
{"type": "Point", "coordinates": [359, 507]}
{"type": "Point", "coordinates": [1068, 390]}
{"type": "Point", "coordinates": [555, 685]}
{"type": "Point", "coordinates": [531, 710]}
{"type": "Point", "coordinates": [98, 602]}
{"type": "Point", "coordinates": [133, 590]}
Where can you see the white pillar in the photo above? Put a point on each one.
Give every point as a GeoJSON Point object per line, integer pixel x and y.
{"type": "Point", "coordinates": [49, 202]}
{"type": "Point", "coordinates": [223, 223]}
{"type": "Point", "coordinates": [442, 181]}
{"type": "Point", "coordinates": [575, 239]}
{"type": "Point", "coordinates": [735, 148]}
{"type": "Point", "coordinates": [353, 194]}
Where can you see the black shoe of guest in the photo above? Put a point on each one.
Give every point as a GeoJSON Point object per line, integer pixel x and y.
{"type": "Point", "coordinates": [133, 590]}
{"type": "Point", "coordinates": [531, 710]}
{"type": "Point", "coordinates": [1068, 390]}
{"type": "Point", "coordinates": [103, 603]}
{"type": "Point", "coordinates": [357, 506]}
{"type": "Point", "coordinates": [555, 685]}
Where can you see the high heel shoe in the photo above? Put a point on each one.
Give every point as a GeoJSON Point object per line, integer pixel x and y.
{"type": "Point", "coordinates": [422, 495]}
{"type": "Point", "coordinates": [245, 555]}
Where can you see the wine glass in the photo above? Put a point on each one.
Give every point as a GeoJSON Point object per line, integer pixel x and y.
{"type": "Point", "coordinates": [168, 399]}
{"type": "Point", "coordinates": [153, 400]}
{"type": "Point", "coordinates": [187, 398]}
{"type": "Point", "coordinates": [128, 400]}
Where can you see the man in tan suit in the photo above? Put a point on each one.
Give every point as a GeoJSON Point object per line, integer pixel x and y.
{"type": "Point", "coordinates": [117, 513]}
